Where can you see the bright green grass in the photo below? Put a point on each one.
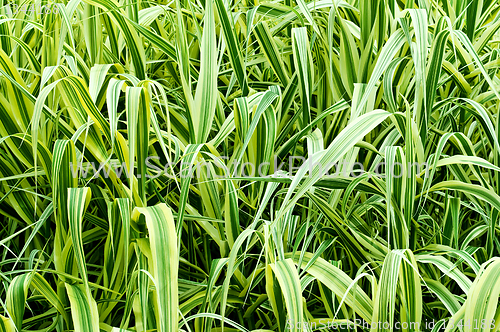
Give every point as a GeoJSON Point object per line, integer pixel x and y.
{"type": "Point", "coordinates": [157, 86]}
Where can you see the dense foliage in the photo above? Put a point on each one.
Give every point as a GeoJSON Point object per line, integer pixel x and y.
{"type": "Point", "coordinates": [109, 110]}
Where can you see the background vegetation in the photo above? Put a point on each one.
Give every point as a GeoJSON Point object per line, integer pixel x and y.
{"type": "Point", "coordinates": [107, 82]}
